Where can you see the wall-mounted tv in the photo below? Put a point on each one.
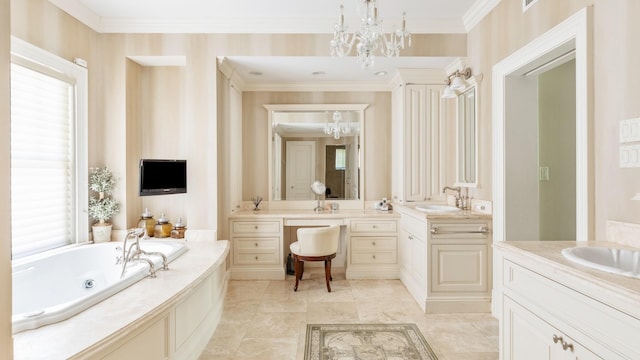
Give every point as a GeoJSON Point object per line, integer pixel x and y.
{"type": "Point", "coordinates": [162, 177]}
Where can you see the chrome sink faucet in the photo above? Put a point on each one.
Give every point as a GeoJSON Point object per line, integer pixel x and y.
{"type": "Point", "coordinates": [457, 189]}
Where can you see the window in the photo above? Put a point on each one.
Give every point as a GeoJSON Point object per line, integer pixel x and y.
{"type": "Point", "coordinates": [48, 151]}
{"type": "Point", "coordinates": [341, 159]}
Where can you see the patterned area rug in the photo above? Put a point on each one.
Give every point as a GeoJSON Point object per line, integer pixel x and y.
{"type": "Point", "coordinates": [366, 342]}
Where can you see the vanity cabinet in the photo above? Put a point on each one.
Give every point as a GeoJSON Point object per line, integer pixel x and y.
{"type": "Point", "coordinates": [548, 315]}
{"type": "Point", "coordinates": [418, 140]}
{"type": "Point", "coordinates": [460, 266]}
{"type": "Point", "coordinates": [256, 250]}
{"type": "Point", "coordinates": [413, 256]}
{"type": "Point", "coordinates": [372, 251]}
{"type": "Point", "coordinates": [445, 263]}
{"type": "Point", "coordinates": [530, 337]}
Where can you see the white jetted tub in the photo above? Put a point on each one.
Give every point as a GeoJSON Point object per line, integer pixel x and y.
{"type": "Point", "coordinates": [52, 288]}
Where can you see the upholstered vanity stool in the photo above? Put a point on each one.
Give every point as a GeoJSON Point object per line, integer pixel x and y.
{"type": "Point", "coordinates": [315, 244]}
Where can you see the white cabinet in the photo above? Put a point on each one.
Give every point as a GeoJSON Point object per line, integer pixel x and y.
{"type": "Point", "coordinates": [256, 249]}
{"type": "Point", "coordinates": [460, 266]}
{"type": "Point", "coordinates": [446, 263]}
{"type": "Point", "coordinates": [418, 141]}
{"type": "Point", "coordinates": [531, 338]}
{"type": "Point", "coordinates": [372, 251]}
{"type": "Point", "coordinates": [413, 257]}
{"type": "Point", "coordinates": [543, 318]}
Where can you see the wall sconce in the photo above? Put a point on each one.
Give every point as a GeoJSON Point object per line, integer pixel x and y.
{"type": "Point", "coordinates": [456, 82]}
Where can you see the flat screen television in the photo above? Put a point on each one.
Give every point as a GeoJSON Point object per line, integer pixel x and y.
{"type": "Point", "coordinates": [162, 177]}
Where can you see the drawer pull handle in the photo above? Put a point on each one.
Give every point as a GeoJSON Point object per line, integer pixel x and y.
{"type": "Point", "coordinates": [565, 345]}
{"type": "Point", "coordinates": [256, 258]}
{"type": "Point", "coordinates": [256, 244]}
{"type": "Point", "coordinates": [483, 230]}
{"type": "Point", "coordinates": [256, 227]}
{"type": "Point", "coordinates": [410, 237]}
{"type": "Point", "coordinates": [374, 243]}
{"type": "Point", "coordinates": [374, 256]}
{"type": "Point", "coordinates": [375, 226]}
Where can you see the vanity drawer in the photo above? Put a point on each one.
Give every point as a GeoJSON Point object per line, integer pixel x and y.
{"type": "Point", "coordinates": [256, 227]}
{"type": "Point", "coordinates": [270, 243]}
{"type": "Point", "coordinates": [373, 243]}
{"type": "Point", "coordinates": [374, 257]}
{"type": "Point", "coordinates": [373, 226]}
{"type": "Point", "coordinates": [256, 258]}
{"type": "Point", "coordinates": [563, 306]}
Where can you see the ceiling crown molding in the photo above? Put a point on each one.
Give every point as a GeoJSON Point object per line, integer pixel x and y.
{"type": "Point", "coordinates": [417, 25]}
{"type": "Point", "coordinates": [477, 12]}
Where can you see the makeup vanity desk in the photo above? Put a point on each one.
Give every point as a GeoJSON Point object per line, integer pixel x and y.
{"type": "Point", "coordinates": [260, 242]}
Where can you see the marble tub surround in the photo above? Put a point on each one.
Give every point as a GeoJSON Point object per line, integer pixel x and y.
{"type": "Point", "coordinates": [114, 319]}
{"type": "Point", "coordinates": [265, 319]}
{"type": "Point", "coordinates": [617, 291]}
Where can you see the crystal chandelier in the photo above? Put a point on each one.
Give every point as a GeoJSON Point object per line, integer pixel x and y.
{"type": "Point", "coordinates": [336, 128]}
{"type": "Point", "coordinates": [370, 38]}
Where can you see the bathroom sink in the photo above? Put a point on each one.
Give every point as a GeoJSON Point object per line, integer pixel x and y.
{"type": "Point", "coordinates": [617, 261]}
{"type": "Point", "coordinates": [433, 208]}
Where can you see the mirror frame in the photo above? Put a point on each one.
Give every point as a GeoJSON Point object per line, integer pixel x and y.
{"type": "Point", "coordinates": [310, 204]}
{"type": "Point", "coordinates": [474, 83]}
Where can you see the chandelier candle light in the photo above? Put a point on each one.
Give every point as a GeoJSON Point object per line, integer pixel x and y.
{"type": "Point", "coordinates": [370, 38]}
{"type": "Point", "coordinates": [335, 128]}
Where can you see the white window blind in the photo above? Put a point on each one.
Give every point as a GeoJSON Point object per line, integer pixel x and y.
{"type": "Point", "coordinates": [42, 160]}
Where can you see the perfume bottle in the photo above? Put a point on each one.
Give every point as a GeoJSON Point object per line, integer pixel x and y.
{"type": "Point", "coordinates": [162, 228]}
{"type": "Point", "coordinates": [147, 222]}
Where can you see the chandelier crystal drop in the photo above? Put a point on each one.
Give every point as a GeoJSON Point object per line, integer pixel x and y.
{"type": "Point", "coordinates": [370, 38]}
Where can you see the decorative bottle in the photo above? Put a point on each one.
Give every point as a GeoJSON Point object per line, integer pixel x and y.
{"type": "Point", "coordinates": [178, 230]}
{"type": "Point", "coordinates": [163, 227]}
{"type": "Point", "coordinates": [147, 222]}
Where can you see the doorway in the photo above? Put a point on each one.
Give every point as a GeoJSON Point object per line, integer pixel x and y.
{"type": "Point", "coordinates": [572, 36]}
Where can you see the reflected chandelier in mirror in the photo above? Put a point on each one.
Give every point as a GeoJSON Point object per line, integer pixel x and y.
{"type": "Point", "coordinates": [315, 142]}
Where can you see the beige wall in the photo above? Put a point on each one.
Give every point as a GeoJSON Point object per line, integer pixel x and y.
{"type": "Point", "coordinates": [615, 60]}
{"type": "Point", "coordinates": [6, 343]}
{"type": "Point", "coordinates": [377, 136]}
{"type": "Point", "coordinates": [114, 141]}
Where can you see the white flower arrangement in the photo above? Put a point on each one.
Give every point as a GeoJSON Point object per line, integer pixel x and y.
{"type": "Point", "coordinates": [103, 207]}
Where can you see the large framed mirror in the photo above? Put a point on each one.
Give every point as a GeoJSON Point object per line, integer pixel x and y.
{"type": "Point", "coordinates": [467, 136]}
{"type": "Point", "coordinates": [310, 142]}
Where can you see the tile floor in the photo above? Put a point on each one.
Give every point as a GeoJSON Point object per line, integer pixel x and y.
{"type": "Point", "coordinates": [266, 320]}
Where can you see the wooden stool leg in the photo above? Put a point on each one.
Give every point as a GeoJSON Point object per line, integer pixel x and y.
{"type": "Point", "coordinates": [301, 269]}
{"type": "Point", "coordinates": [327, 273]}
{"type": "Point", "coordinates": [296, 269]}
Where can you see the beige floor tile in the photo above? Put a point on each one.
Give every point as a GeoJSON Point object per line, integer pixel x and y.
{"type": "Point", "coordinates": [268, 320]}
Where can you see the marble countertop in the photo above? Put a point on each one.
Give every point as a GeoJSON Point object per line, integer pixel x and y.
{"type": "Point", "coordinates": [99, 325]}
{"type": "Point", "coordinates": [307, 214]}
{"type": "Point", "coordinates": [455, 215]}
{"type": "Point", "coordinates": [545, 258]}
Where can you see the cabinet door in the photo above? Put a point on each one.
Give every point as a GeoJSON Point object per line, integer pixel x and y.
{"type": "Point", "coordinates": [459, 268]}
{"type": "Point", "coordinates": [415, 142]}
{"type": "Point", "coordinates": [527, 337]}
{"type": "Point", "coordinates": [419, 259]}
{"type": "Point", "coordinates": [404, 247]}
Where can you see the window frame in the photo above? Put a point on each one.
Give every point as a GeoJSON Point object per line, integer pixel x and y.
{"type": "Point", "coordinates": [26, 54]}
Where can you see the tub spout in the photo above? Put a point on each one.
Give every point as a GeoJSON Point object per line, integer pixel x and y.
{"type": "Point", "coordinates": [133, 253]}
{"type": "Point", "coordinates": [165, 262]}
